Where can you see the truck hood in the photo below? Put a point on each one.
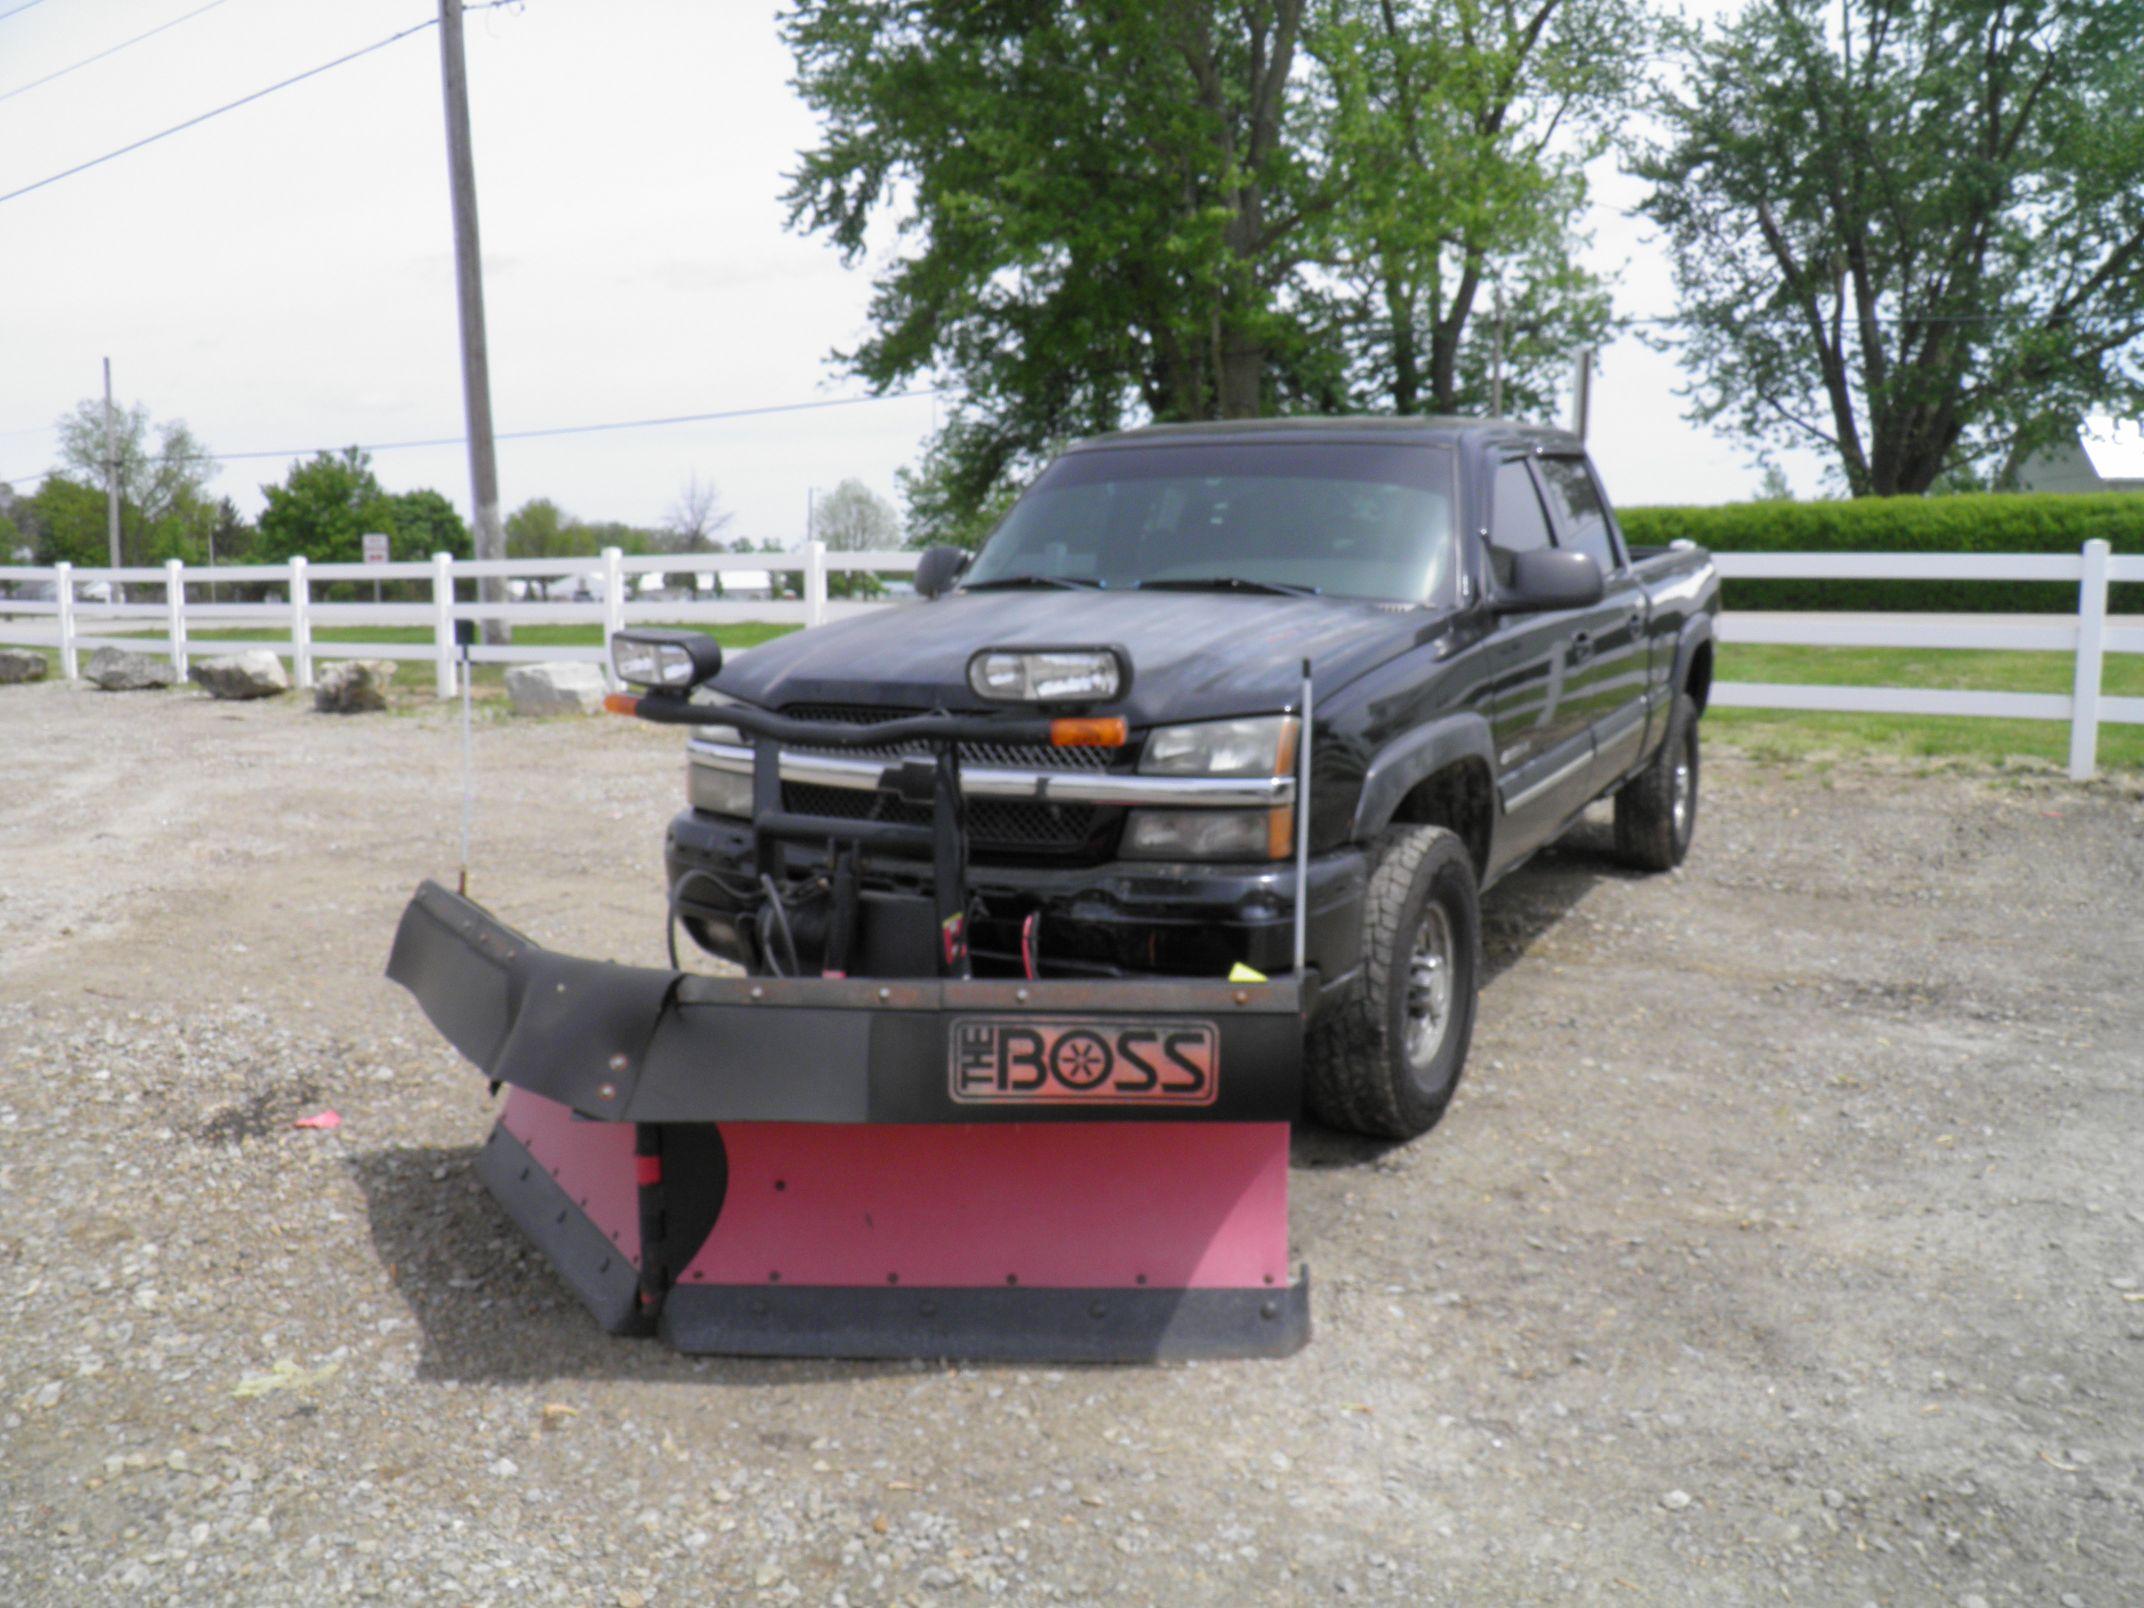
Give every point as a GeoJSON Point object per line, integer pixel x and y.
{"type": "Point", "coordinates": [1194, 655]}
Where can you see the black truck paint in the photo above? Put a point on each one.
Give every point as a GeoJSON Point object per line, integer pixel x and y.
{"type": "Point", "coordinates": [1447, 709]}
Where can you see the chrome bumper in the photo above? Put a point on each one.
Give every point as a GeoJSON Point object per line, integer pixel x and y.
{"type": "Point", "coordinates": [1017, 782]}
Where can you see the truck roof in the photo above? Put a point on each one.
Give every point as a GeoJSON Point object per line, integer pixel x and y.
{"type": "Point", "coordinates": [1439, 429]}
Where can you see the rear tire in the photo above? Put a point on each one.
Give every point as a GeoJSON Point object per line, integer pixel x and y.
{"type": "Point", "coordinates": [1656, 812]}
{"type": "Point", "coordinates": [1386, 1060]}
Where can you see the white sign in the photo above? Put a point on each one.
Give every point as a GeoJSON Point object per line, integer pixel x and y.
{"type": "Point", "coordinates": [375, 548]}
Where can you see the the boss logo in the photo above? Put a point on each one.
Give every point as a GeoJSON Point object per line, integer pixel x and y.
{"type": "Point", "coordinates": [1067, 1060]}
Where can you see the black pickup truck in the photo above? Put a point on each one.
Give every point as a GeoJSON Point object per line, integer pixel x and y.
{"type": "Point", "coordinates": [1451, 604]}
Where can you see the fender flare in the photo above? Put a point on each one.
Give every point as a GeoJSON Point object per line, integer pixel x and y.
{"type": "Point", "coordinates": [1412, 759]}
{"type": "Point", "coordinates": [1695, 631]}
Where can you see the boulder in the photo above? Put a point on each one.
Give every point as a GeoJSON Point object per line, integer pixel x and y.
{"type": "Point", "coordinates": [21, 664]}
{"type": "Point", "coordinates": [256, 673]}
{"type": "Point", "coordinates": [567, 688]}
{"type": "Point", "coordinates": [353, 686]}
{"type": "Point", "coordinates": [116, 670]}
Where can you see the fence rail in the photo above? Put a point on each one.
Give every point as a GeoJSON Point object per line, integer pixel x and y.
{"type": "Point", "coordinates": [2089, 635]}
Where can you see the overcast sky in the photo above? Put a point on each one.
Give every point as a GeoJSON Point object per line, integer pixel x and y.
{"type": "Point", "coordinates": [282, 277]}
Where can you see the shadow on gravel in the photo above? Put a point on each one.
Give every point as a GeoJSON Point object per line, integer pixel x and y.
{"type": "Point", "coordinates": [1515, 915]}
{"type": "Point", "coordinates": [488, 1307]}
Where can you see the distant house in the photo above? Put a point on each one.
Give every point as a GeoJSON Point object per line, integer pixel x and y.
{"type": "Point", "coordinates": [2107, 455]}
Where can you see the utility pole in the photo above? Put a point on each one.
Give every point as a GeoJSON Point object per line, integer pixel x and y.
{"type": "Point", "coordinates": [1582, 393]}
{"type": "Point", "coordinates": [1496, 359]}
{"type": "Point", "coordinates": [469, 286]}
{"type": "Point", "coordinates": [111, 476]}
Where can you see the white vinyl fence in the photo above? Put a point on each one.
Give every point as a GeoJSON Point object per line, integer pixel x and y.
{"type": "Point", "coordinates": [66, 619]}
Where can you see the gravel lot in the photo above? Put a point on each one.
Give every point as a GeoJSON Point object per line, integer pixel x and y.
{"type": "Point", "coordinates": [1784, 1244]}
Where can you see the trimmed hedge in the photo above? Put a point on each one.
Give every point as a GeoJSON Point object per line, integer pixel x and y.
{"type": "Point", "coordinates": [2040, 522]}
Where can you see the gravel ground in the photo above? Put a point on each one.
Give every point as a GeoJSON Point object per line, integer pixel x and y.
{"type": "Point", "coordinates": [1783, 1245]}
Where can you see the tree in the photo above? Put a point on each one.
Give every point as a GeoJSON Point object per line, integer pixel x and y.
{"type": "Point", "coordinates": [696, 518]}
{"type": "Point", "coordinates": [1196, 210]}
{"type": "Point", "coordinates": [65, 522]}
{"type": "Point", "coordinates": [1458, 133]}
{"type": "Point", "coordinates": [852, 518]}
{"type": "Point", "coordinates": [159, 481]}
{"type": "Point", "coordinates": [1918, 240]}
{"type": "Point", "coordinates": [328, 503]}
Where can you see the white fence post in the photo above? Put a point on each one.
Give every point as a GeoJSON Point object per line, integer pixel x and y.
{"type": "Point", "coordinates": [175, 612]}
{"type": "Point", "coordinates": [63, 590]}
{"type": "Point", "coordinates": [815, 583]}
{"type": "Point", "coordinates": [443, 624]}
{"type": "Point", "coordinates": [613, 609]}
{"type": "Point", "coordinates": [301, 624]}
{"type": "Point", "coordinates": [2091, 655]}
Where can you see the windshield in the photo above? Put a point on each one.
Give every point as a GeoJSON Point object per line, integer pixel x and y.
{"type": "Point", "coordinates": [1349, 519]}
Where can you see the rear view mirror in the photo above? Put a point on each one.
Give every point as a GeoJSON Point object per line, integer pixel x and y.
{"type": "Point", "coordinates": [1547, 578]}
{"type": "Point", "coordinates": [939, 568]}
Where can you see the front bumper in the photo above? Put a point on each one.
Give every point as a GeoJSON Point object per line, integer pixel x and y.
{"type": "Point", "coordinates": [1120, 918]}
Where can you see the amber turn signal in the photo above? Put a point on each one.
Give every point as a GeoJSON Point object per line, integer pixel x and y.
{"type": "Point", "coordinates": [1090, 731]}
{"type": "Point", "coordinates": [621, 703]}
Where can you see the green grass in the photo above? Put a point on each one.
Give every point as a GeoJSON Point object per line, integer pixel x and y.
{"type": "Point", "coordinates": [1799, 735]}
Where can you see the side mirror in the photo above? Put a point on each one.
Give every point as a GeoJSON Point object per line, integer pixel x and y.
{"type": "Point", "coordinates": [665, 661]}
{"type": "Point", "coordinates": [939, 568]}
{"type": "Point", "coordinates": [1547, 578]}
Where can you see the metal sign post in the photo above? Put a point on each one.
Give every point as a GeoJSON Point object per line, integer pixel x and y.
{"type": "Point", "coordinates": [465, 637]}
{"type": "Point", "coordinates": [375, 546]}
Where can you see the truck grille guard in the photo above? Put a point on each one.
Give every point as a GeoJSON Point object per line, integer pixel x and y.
{"type": "Point", "coordinates": [911, 1163]}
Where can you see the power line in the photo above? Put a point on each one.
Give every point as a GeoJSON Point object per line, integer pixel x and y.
{"type": "Point", "coordinates": [19, 10]}
{"type": "Point", "coordinates": [87, 61]}
{"type": "Point", "coordinates": [546, 432]}
{"type": "Point", "coordinates": [229, 106]}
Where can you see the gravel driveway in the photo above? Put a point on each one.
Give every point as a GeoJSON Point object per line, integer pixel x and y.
{"type": "Point", "coordinates": [1784, 1244]}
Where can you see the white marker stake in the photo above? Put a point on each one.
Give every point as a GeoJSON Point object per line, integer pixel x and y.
{"type": "Point", "coordinates": [468, 766]}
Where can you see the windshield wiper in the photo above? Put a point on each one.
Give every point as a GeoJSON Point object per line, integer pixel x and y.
{"type": "Point", "coordinates": [1226, 583]}
{"type": "Point", "coordinates": [1072, 583]}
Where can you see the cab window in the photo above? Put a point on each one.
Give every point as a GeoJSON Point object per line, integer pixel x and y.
{"type": "Point", "coordinates": [1580, 511]}
{"type": "Point", "coordinates": [1517, 521]}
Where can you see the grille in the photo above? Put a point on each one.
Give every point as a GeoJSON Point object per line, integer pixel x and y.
{"type": "Point", "coordinates": [1028, 758]}
{"type": "Point", "coordinates": [997, 823]}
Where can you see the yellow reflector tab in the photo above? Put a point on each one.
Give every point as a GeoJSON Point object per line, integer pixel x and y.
{"type": "Point", "coordinates": [1240, 973]}
{"type": "Point", "coordinates": [1093, 731]}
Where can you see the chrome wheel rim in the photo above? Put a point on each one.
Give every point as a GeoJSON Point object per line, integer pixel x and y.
{"type": "Point", "coordinates": [1429, 988]}
{"type": "Point", "coordinates": [1683, 790]}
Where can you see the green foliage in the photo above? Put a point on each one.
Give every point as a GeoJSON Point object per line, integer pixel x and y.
{"type": "Point", "coordinates": [1919, 243]}
{"type": "Point", "coordinates": [2036, 523]}
{"type": "Point", "coordinates": [325, 506]}
{"type": "Point", "coordinates": [164, 510]}
{"type": "Point", "coordinates": [66, 523]}
{"type": "Point", "coordinates": [1194, 210]}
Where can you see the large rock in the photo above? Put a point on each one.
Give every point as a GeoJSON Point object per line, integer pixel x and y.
{"type": "Point", "coordinates": [256, 673]}
{"type": "Point", "coordinates": [353, 686]}
{"type": "Point", "coordinates": [565, 688]}
{"type": "Point", "coordinates": [116, 670]}
{"type": "Point", "coordinates": [21, 664]}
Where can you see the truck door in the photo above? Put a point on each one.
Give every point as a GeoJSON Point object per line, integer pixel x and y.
{"type": "Point", "coordinates": [1544, 739]}
{"type": "Point", "coordinates": [1610, 645]}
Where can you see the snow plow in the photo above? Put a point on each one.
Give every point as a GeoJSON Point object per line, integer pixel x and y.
{"type": "Point", "coordinates": [862, 1148]}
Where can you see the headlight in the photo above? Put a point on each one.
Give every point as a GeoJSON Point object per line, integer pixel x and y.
{"type": "Point", "coordinates": [719, 792]}
{"type": "Point", "coordinates": [1209, 834]}
{"type": "Point", "coordinates": [1047, 675]}
{"type": "Point", "coordinates": [712, 701]}
{"type": "Point", "coordinates": [1263, 745]}
{"type": "Point", "coordinates": [667, 661]}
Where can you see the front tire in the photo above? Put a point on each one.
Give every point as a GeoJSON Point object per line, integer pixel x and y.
{"type": "Point", "coordinates": [1656, 812]}
{"type": "Point", "coordinates": [1386, 1060]}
